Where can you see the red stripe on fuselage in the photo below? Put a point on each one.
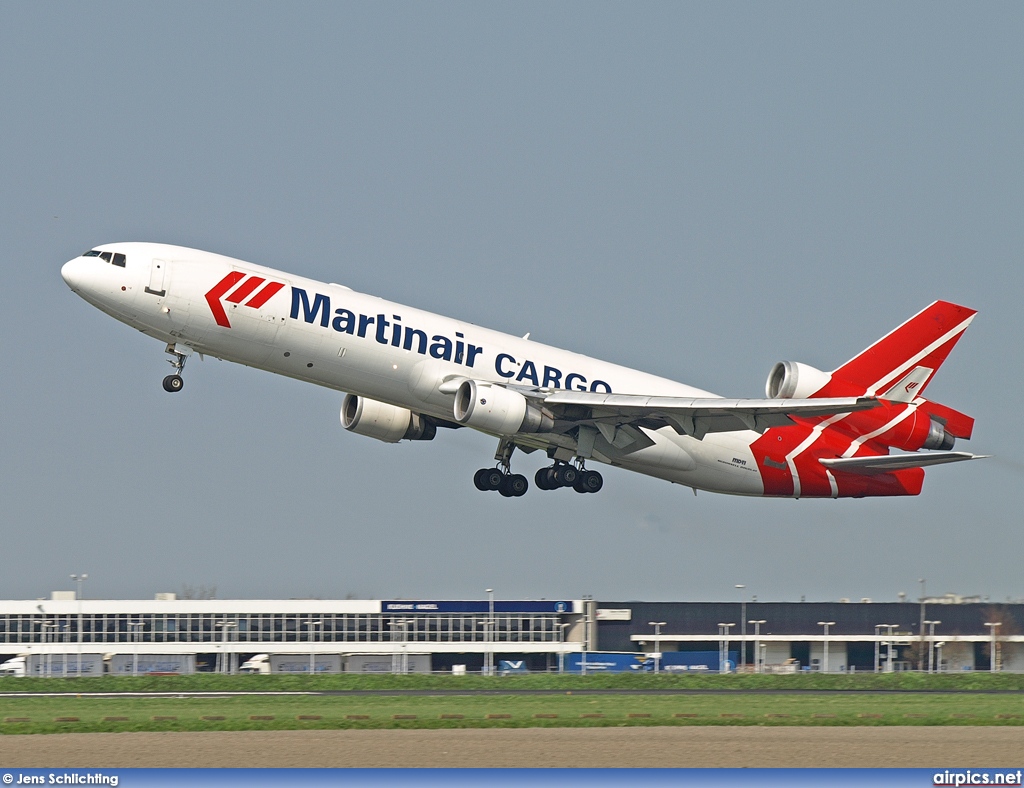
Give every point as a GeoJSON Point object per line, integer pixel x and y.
{"type": "Point", "coordinates": [245, 288]}
{"type": "Point", "coordinates": [264, 295]}
{"type": "Point", "coordinates": [217, 293]}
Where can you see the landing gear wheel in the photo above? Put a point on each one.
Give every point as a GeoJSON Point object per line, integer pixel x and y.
{"type": "Point", "coordinates": [518, 484]}
{"type": "Point", "coordinates": [480, 479]}
{"type": "Point", "coordinates": [173, 383]}
{"type": "Point", "coordinates": [494, 478]}
{"type": "Point", "coordinates": [565, 475]}
{"type": "Point", "coordinates": [542, 479]}
{"type": "Point", "coordinates": [506, 488]}
{"type": "Point", "coordinates": [588, 482]}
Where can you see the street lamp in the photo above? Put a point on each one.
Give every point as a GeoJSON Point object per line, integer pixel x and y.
{"type": "Point", "coordinates": [889, 654]}
{"type": "Point", "coordinates": [931, 641]}
{"type": "Point", "coordinates": [223, 658]}
{"type": "Point", "coordinates": [992, 625]}
{"type": "Point", "coordinates": [757, 622]}
{"type": "Point", "coordinates": [48, 633]}
{"type": "Point", "coordinates": [920, 651]}
{"type": "Point", "coordinates": [79, 579]}
{"type": "Point", "coordinates": [136, 626]}
{"type": "Point", "coordinates": [743, 624]}
{"type": "Point", "coordinates": [586, 633]}
{"type": "Point", "coordinates": [723, 647]}
{"type": "Point", "coordinates": [657, 641]}
{"type": "Point", "coordinates": [826, 625]}
{"type": "Point", "coordinates": [311, 623]}
{"type": "Point", "coordinates": [561, 639]}
{"type": "Point", "coordinates": [489, 635]}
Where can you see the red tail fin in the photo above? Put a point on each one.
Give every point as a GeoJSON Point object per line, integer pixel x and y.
{"type": "Point", "coordinates": [901, 364]}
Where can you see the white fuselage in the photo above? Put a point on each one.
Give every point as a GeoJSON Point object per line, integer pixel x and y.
{"type": "Point", "coordinates": [333, 336]}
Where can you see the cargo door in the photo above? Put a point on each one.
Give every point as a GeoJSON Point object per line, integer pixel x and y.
{"type": "Point", "coordinates": [157, 274]}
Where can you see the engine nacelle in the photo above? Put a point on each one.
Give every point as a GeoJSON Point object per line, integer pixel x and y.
{"type": "Point", "coordinates": [793, 380]}
{"type": "Point", "coordinates": [918, 431]}
{"type": "Point", "coordinates": [388, 423]}
{"type": "Point", "coordinates": [498, 410]}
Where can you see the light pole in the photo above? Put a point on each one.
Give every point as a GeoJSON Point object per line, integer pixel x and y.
{"type": "Point", "coordinates": [889, 654]}
{"type": "Point", "coordinates": [992, 625]}
{"type": "Point", "coordinates": [920, 650]}
{"type": "Point", "coordinates": [223, 658]}
{"type": "Point", "coordinates": [48, 633]}
{"type": "Point", "coordinates": [80, 579]}
{"type": "Point", "coordinates": [878, 646]}
{"type": "Point", "coordinates": [931, 641]}
{"type": "Point", "coordinates": [135, 627]}
{"type": "Point", "coordinates": [586, 634]}
{"type": "Point", "coordinates": [657, 642]}
{"type": "Point", "coordinates": [743, 624]}
{"type": "Point", "coordinates": [561, 640]}
{"type": "Point", "coordinates": [311, 624]}
{"type": "Point", "coordinates": [826, 625]}
{"type": "Point", "coordinates": [489, 635]}
{"type": "Point", "coordinates": [757, 622]}
{"type": "Point", "coordinates": [723, 646]}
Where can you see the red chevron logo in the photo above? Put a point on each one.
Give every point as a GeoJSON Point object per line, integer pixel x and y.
{"type": "Point", "coordinates": [250, 286]}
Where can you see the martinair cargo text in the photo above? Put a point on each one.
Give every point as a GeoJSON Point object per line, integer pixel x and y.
{"type": "Point", "coordinates": [864, 429]}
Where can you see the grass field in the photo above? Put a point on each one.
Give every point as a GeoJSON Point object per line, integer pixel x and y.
{"type": "Point", "coordinates": [979, 681]}
{"type": "Point", "coordinates": [27, 714]}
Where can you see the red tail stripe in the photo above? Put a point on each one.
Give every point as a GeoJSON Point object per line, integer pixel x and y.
{"type": "Point", "coordinates": [217, 293]}
{"type": "Point", "coordinates": [245, 288]}
{"type": "Point", "coordinates": [264, 295]}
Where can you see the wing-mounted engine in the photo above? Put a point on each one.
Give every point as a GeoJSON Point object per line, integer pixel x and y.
{"type": "Point", "coordinates": [498, 410]}
{"type": "Point", "coordinates": [385, 422]}
{"type": "Point", "coordinates": [793, 380]}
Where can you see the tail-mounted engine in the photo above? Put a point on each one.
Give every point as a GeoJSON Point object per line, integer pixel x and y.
{"type": "Point", "coordinates": [793, 380]}
{"type": "Point", "coordinates": [498, 410]}
{"type": "Point", "coordinates": [917, 431]}
{"type": "Point", "coordinates": [387, 423]}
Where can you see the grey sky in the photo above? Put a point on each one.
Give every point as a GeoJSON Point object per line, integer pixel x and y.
{"type": "Point", "coordinates": [695, 190]}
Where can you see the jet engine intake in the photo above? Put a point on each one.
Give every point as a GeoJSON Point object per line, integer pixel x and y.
{"type": "Point", "coordinates": [793, 380]}
{"type": "Point", "coordinates": [388, 423]}
{"type": "Point", "coordinates": [498, 410]}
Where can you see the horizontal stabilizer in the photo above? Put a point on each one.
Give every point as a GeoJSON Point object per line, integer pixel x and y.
{"type": "Point", "coordinates": [886, 463]}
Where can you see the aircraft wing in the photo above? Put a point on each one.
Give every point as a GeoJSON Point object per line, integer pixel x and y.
{"type": "Point", "coordinates": [884, 463]}
{"type": "Point", "coordinates": [689, 416]}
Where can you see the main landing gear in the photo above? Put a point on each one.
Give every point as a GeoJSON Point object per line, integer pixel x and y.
{"type": "Point", "coordinates": [510, 485]}
{"type": "Point", "coordinates": [513, 485]}
{"type": "Point", "coordinates": [175, 382]}
{"type": "Point", "coordinates": [562, 474]}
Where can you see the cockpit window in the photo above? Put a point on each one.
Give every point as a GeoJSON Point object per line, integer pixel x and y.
{"type": "Point", "coordinates": [115, 258]}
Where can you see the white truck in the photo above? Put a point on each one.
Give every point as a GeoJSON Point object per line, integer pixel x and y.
{"type": "Point", "coordinates": [259, 663]}
{"type": "Point", "coordinates": [15, 666]}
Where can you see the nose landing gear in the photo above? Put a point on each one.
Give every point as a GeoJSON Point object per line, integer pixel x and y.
{"type": "Point", "coordinates": [175, 382]}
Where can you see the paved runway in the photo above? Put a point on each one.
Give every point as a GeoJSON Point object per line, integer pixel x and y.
{"type": "Point", "coordinates": [691, 746]}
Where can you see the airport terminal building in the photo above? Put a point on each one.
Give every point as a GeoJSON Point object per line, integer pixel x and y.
{"type": "Point", "coordinates": [63, 635]}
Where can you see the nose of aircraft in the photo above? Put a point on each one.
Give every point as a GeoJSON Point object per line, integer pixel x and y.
{"type": "Point", "coordinates": [72, 272]}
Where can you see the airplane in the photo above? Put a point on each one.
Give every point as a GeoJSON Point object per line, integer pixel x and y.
{"type": "Point", "coordinates": [407, 373]}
